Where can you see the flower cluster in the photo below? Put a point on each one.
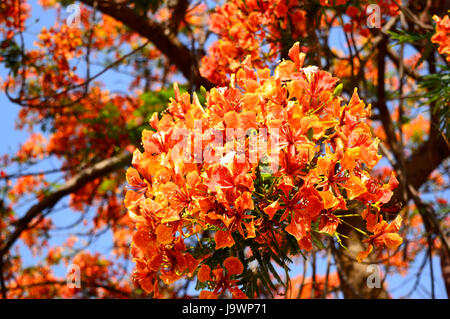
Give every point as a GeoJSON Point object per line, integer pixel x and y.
{"type": "Point", "coordinates": [242, 27]}
{"type": "Point", "coordinates": [13, 14]}
{"type": "Point", "coordinates": [193, 203]}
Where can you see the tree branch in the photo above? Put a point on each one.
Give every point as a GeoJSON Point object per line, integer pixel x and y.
{"type": "Point", "coordinates": [399, 62]}
{"type": "Point", "coordinates": [87, 175]}
{"type": "Point", "coordinates": [160, 36]}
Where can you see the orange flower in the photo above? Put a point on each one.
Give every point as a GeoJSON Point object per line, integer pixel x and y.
{"type": "Point", "coordinates": [442, 35]}
{"type": "Point", "coordinates": [223, 239]}
{"type": "Point", "coordinates": [272, 209]}
{"type": "Point", "coordinates": [204, 273]}
{"type": "Point", "coordinates": [355, 187]}
{"type": "Point", "coordinates": [164, 234]}
{"type": "Point", "coordinates": [221, 280]}
{"type": "Point", "coordinates": [233, 266]}
{"type": "Point", "coordinates": [384, 234]}
{"type": "Point", "coordinates": [205, 294]}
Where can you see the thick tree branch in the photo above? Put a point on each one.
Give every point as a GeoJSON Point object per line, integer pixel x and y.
{"type": "Point", "coordinates": [445, 266]}
{"type": "Point", "coordinates": [425, 160]}
{"type": "Point", "coordinates": [160, 36]}
{"type": "Point", "coordinates": [178, 14]}
{"type": "Point", "coordinates": [385, 115]}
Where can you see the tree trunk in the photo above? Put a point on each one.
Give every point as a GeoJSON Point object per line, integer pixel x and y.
{"type": "Point", "coordinates": [445, 268]}
{"type": "Point", "coordinates": [354, 276]}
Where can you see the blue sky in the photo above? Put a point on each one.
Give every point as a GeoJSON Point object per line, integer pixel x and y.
{"type": "Point", "coordinates": [11, 138]}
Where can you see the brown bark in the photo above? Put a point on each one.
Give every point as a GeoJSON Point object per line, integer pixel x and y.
{"type": "Point", "coordinates": [353, 275]}
{"type": "Point", "coordinates": [162, 37]}
{"type": "Point", "coordinates": [445, 267]}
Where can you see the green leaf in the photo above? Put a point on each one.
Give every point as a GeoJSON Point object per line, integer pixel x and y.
{"type": "Point", "coordinates": [310, 134]}
{"type": "Point", "coordinates": [404, 36]}
{"type": "Point", "coordinates": [338, 90]}
{"type": "Point", "coordinates": [203, 91]}
{"type": "Point", "coordinates": [107, 185]}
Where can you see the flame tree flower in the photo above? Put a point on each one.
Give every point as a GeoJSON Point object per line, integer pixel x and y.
{"type": "Point", "coordinates": [201, 200]}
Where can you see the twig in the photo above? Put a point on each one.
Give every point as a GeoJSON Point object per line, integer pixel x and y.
{"type": "Point", "coordinates": [411, 17]}
{"type": "Point", "coordinates": [87, 175]}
